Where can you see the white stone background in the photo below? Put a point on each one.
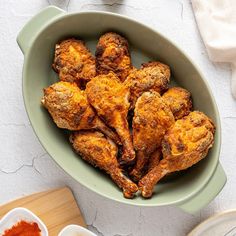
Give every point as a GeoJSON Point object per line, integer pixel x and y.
{"type": "Point", "coordinates": [25, 167]}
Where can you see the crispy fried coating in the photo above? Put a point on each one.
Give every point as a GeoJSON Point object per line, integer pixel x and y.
{"type": "Point", "coordinates": [112, 54]}
{"type": "Point", "coordinates": [110, 98]}
{"type": "Point", "coordinates": [152, 118]}
{"type": "Point", "coordinates": [185, 143]}
{"type": "Point", "coordinates": [101, 152]}
{"type": "Point", "coordinates": [151, 76]}
{"type": "Point", "coordinates": [69, 108]}
{"type": "Point", "coordinates": [179, 101]}
{"type": "Point", "coordinates": [74, 62]}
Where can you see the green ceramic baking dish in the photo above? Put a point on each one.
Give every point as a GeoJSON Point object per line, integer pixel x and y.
{"type": "Point", "coordinates": [190, 190]}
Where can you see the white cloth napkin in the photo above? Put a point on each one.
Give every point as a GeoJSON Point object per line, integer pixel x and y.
{"type": "Point", "coordinates": [216, 20]}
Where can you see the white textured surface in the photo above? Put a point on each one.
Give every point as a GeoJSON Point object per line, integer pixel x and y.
{"type": "Point", "coordinates": [25, 167]}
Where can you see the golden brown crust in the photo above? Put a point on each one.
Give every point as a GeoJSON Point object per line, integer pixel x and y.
{"type": "Point", "coordinates": [192, 133]}
{"type": "Point", "coordinates": [185, 143]}
{"type": "Point", "coordinates": [179, 100]}
{"type": "Point", "coordinates": [112, 54]}
{"type": "Point", "coordinates": [69, 108]}
{"type": "Point", "coordinates": [110, 99]}
{"type": "Point", "coordinates": [108, 95]}
{"type": "Point", "coordinates": [101, 152]}
{"type": "Point", "coordinates": [74, 62]}
{"type": "Point", "coordinates": [151, 76]}
{"type": "Point", "coordinates": [152, 118]}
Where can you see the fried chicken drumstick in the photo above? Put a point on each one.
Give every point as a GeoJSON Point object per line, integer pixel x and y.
{"type": "Point", "coordinates": [69, 108]}
{"type": "Point", "coordinates": [112, 54]}
{"type": "Point", "coordinates": [180, 103]}
{"type": "Point", "coordinates": [110, 98]}
{"type": "Point", "coordinates": [74, 62]}
{"type": "Point", "coordinates": [151, 76]}
{"type": "Point", "coordinates": [152, 118]}
{"type": "Point", "coordinates": [101, 152]}
{"type": "Point", "coordinates": [185, 143]}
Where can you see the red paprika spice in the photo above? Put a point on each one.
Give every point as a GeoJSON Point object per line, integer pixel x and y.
{"type": "Point", "coordinates": [23, 228]}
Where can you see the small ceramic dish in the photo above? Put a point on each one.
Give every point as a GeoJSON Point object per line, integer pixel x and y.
{"type": "Point", "coordinates": [18, 214]}
{"type": "Point", "coordinates": [217, 225]}
{"type": "Point", "coordinates": [75, 230]}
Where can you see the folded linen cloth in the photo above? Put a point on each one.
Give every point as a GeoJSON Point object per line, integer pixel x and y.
{"type": "Point", "coordinates": [216, 20]}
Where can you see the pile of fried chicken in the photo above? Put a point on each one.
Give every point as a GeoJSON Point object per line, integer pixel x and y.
{"type": "Point", "coordinates": [124, 120]}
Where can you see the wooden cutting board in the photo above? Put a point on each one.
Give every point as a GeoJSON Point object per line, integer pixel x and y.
{"type": "Point", "coordinates": [56, 208]}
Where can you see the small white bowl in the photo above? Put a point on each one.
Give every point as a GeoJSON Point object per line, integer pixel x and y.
{"type": "Point", "coordinates": [16, 215]}
{"type": "Point", "coordinates": [75, 230]}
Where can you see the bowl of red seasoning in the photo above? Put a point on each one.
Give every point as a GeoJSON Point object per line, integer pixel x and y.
{"type": "Point", "coordinates": [22, 222]}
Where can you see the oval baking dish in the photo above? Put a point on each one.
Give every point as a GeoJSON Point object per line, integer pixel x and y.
{"type": "Point", "coordinates": [190, 190]}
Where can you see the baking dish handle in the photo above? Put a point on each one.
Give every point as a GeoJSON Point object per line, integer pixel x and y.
{"type": "Point", "coordinates": [207, 194]}
{"type": "Point", "coordinates": [34, 25]}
